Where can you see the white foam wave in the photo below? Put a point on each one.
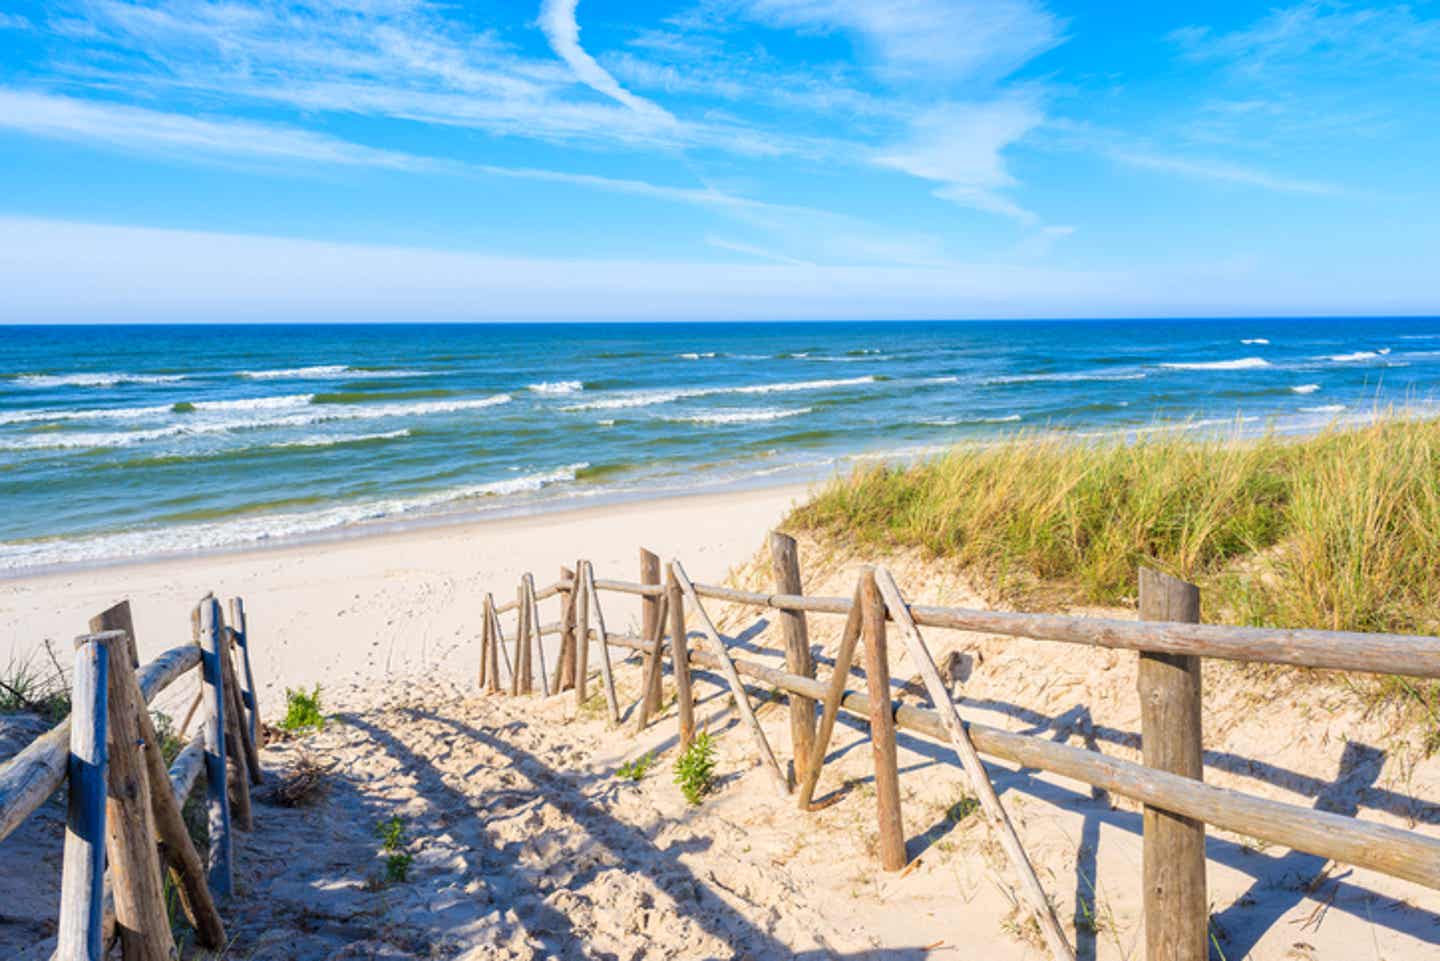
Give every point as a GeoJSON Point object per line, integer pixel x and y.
{"type": "Point", "coordinates": [260, 528]}
{"type": "Point", "coordinates": [330, 440]}
{"type": "Point", "coordinates": [94, 380]}
{"type": "Point", "coordinates": [557, 387]}
{"type": "Point", "coordinates": [1077, 376]}
{"type": "Point", "coordinates": [156, 410]}
{"type": "Point", "coordinates": [1262, 341]}
{"type": "Point", "coordinates": [744, 416]}
{"type": "Point", "coordinates": [697, 355]}
{"type": "Point", "coordinates": [653, 397]}
{"type": "Point", "coordinates": [1354, 357]}
{"type": "Point", "coordinates": [1306, 388]}
{"type": "Point", "coordinates": [956, 421]}
{"type": "Point", "coordinates": [1324, 409]}
{"type": "Point", "coordinates": [326, 372]}
{"type": "Point", "coordinates": [1243, 363]}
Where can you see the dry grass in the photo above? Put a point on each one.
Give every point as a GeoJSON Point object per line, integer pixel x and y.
{"type": "Point", "coordinates": [303, 786]}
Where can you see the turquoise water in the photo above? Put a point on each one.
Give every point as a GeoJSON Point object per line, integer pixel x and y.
{"type": "Point", "coordinates": [128, 441]}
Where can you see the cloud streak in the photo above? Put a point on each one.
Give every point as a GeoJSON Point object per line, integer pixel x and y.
{"type": "Point", "coordinates": [557, 20]}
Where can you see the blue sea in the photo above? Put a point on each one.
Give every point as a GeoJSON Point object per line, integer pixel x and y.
{"type": "Point", "coordinates": [119, 442]}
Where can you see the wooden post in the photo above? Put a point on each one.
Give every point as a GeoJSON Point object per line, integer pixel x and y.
{"type": "Point", "coordinates": [534, 609]}
{"type": "Point", "coordinates": [481, 674]}
{"type": "Point", "coordinates": [974, 769]}
{"type": "Point", "coordinates": [241, 812]}
{"type": "Point", "coordinates": [882, 726]}
{"type": "Point", "coordinates": [140, 914]}
{"type": "Point", "coordinates": [606, 673]}
{"type": "Point", "coordinates": [498, 633]}
{"type": "Point", "coordinates": [207, 635]}
{"type": "Point", "coordinates": [251, 753]}
{"type": "Point", "coordinates": [247, 676]}
{"type": "Point", "coordinates": [654, 663]}
{"type": "Point", "coordinates": [737, 687]}
{"type": "Point", "coordinates": [673, 606]}
{"type": "Point", "coordinates": [180, 855]}
{"type": "Point", "coordinates": [785, 560]}
{"type": "Point", "coordinates": [517, 674]}
{"type": "Point", "coordinates": [582, 637]}
{"type": "Point", "coordinates": [834, 695]}
{"type": "Point", "coordinates": [649, 617]}
{"type": "Point", "coordinates": [1177, 914]}
{"type": "Point", "coordinates": [82, 878]}
{"type": "Point", "coordinates": [565, 662]}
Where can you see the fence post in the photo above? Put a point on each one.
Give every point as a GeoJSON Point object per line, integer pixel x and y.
{"type": "Point", "coordinates": [565, 663]}
{"type": "Point", "coordinates": [217, 802]}
{"type": "Point", "coordinates": [882, 725]}
{"type": "Point", "coordinates": [785, 559]}
{"type": "Point", "coordinates": [680, 656]}
{"type": "Point", "coordinates": [649, 613]}
{"type": "Point", "coordinates": [140, 914]}
{"type": "Point", "coordinates": [582, 636]}
{"type": "Point", "coordinates": [1177, 915]}
{"type": "Point", "coordinates": [247, 685]}
{"type": "Point", "coordinates": [82, 879]}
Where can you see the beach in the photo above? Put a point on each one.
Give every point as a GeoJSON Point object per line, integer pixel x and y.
{"type": "Point", "coordinates": [388, 605]}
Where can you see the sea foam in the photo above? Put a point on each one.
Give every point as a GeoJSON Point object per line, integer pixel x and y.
{"type": "Point", "coordinates": [1243, 363]}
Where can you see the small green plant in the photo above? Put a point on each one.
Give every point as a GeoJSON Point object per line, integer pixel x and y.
{"type": "Point", "coordinates": [695, 768]}
{"type": "Point", "coordinates": [962, 809]}
{"type": "Point", "coordinates": [392, 841]}
{"type": "Point", "coordinates": [302, 711]}
{"type": "Point", "coordinates": [41, 690]}
{"type": "Point", "coordinates": [170, 745]}
{"type": "Point", "coordinates": [635, 770]}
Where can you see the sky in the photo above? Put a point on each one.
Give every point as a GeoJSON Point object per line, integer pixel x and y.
{"type": "Point", "coordinates": [394, 160]}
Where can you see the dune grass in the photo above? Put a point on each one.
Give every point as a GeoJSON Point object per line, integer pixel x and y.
{"type": "Point", "coordinates": [1339, 530]}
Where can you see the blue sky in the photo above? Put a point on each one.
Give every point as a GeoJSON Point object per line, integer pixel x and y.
{"type": "Point", "coordinates": [400, 159]}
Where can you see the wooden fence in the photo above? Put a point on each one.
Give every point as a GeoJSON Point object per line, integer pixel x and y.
{"type": "Point", "coordinates": [124, 828]}
{"type": "Point", "coordinates": [1168, 640]}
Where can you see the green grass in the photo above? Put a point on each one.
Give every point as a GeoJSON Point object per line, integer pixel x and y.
{"type": "Point", "coordinates": [695, 768]}
{"type": "Point", "coordinates": [42, 689]}
{"type": "Point", "coordinates": [1339, 530]}
{"type": "Point", "coordinates": [392, 842]}
{"type": "Point", "coordinates": [636, 770]}
{"type": "Point", "coordinates": [302, 711]}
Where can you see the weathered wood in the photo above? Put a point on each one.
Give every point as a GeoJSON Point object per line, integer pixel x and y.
{"type": "Point", "coordinates": [498, 633]}
{"type": "Point", "coordinates": [1177, 912]}
{"type": "Point", "coordinates": [654, 664]}
{"type": "Point", "coordinates": [482, 675]}
{"type": "Point", "coordinates": [1364, 844]}
{"type": "Point", "coordinates": [565, 662]}
{"type": "Point", "coordinates": [494, 645]}
{"type": "Point", "coordinates": [82, 876]}
{"type": "Point", "coordinates": [247, 676]}
{"type": "Point", "coordinates": [737, 688]}
{"type": "Point", "coordinates": [629, 587]}
{"type": "Point", "coordinates": [37, 772]}
{"type": "Point", "coordinates": [185, 770]}
{"type": "Point", "coordinates": [984, 791]}
{"type": "Point", "coordinates": [517, 676]}
{"type": "Point", "coordinates": [533, 606]}
{"type": "Point", "coordinates": [582, 638]}
{"type": "Point", "coordinates": [165, 806]}
{"type": "Point", "coordinates": [592, 604]}
{"type": "Point", "coordinates": [834, 697]}
{"type": "Point", "coordinates": [241, 812]}
{"type": "Point", "coordinates": [251, 751]}
{"type": "Point", "coordinates": [649, 617]}
{"type": "Point", "coordinates": [1413, 656]}
{"type": "Point", "coordinates": [140, 915]}
{"type": "Point", "coordinates": [785, 563]}
{"type": "Point", "coordinates": [206, 621]}
{"type": "Point", "coordinates": [889, 824]}
{"type": "Point", "coordinates": [673, 607]}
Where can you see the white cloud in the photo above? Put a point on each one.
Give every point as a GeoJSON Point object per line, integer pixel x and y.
{"type": "Point", "coordinates": [959, 146]}
{"type": "Point", "coordinates": [557, 19]}
{"type": "Point", "coordinates": [13, 21]}
{"type": "Point", "coordinates": [1222, 171]}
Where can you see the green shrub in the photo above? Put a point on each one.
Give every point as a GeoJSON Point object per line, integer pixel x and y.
{"type": "Point", "coordinates": [302, 711]}
{"type": "Point", "coordinates": [392, 841]}
{"type": "Point", "coordinates": [695, 768]}
{"type": "Point", "coordinates": [635, 770]}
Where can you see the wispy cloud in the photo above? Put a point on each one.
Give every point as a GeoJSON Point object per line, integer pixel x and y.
{"type": "Point", "coordinates": [1222, 171]}
{"type": "Point", "coordinates": [750, 250]}
{"type": "Point", "coordinates": [13, 21]}
{"type": "Point", "coordinates": [557, 19]}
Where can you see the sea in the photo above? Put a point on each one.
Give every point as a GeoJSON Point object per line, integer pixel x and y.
{"type": "Point", "coordinates": [124, 442]}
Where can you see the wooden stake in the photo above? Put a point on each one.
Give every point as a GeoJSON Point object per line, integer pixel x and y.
{"type": "Point", "coordinates": [140, 914]}
{"type": "Point", "coordinates": [737, 687]}
{"type": "Point", "coordinates": [534, 608]}
{"type": "Point", "coordinates": [241, 811]}
{"type": "Point", "coordinates": [206, 621]}
{"type": "Point", "coordinates": [882, 726]}
{"type": "Point", "coordinates": [247, 677]}
{"type": "Point", "coordinates": [974, 769]}
{"type": "Point", "coordinates": [654, 664]}
{"type": "Point", "coordinates": [181, 857]}
{"type": "Point", "coordinates": [785, 561]}
{"type": "Point", "coordinates": [593, 604]}
{"type": "Point", "coordinates": [251, 752]}
{"type": "Point", "coordinates": [565, 663]}
{"type": "Point", "coordinates": [673, 606]}
{"type": "Point", "coordinates": [582, 640]}
{"type": "Point", "coordinates": [82, 878]}
{"type": "Point", "coordinates": [498, 633]}
{"type": "Point", "coordinates": [834, 695]}
{"type": "Point", "coordinates": [1177, 914]}
{"type": "Point", "coordinates": [649, 617]}
{"type": "Point", "coordinates": [481, 676]}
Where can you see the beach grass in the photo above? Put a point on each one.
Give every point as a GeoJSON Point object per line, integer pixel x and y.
{"type": "Point", "coordinates": [1339, 530]}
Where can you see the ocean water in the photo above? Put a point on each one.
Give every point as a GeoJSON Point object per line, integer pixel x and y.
{"type": "Point", "coordinates": [128, 441]}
